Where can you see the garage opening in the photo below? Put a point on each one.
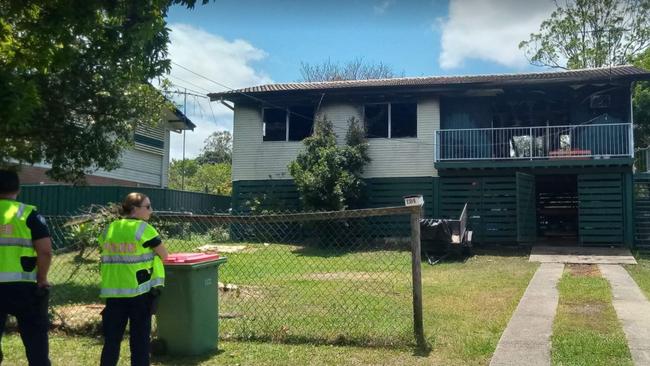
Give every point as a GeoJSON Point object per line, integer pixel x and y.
{"type": "Point", "coordinates": [557, 209]}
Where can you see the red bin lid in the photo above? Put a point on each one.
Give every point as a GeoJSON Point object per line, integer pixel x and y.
{"type": "Point", "coordinates": [190, 258]}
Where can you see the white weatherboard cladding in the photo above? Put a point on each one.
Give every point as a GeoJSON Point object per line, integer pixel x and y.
{"type": "Point", "coordinates": [137, 166]}
{"type": "Point", "coordinates": [407, 157]}
{"type": "Point", "coordinates": [165, 162]}
{"type": "Point", "coordinates": [254, 159]}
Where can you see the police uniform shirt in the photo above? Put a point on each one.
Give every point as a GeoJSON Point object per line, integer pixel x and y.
{"type": "Point", "coordinates": [37, 224]}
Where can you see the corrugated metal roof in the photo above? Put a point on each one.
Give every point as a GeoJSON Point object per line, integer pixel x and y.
{"type": "Point", "coordinates": [607, 73]}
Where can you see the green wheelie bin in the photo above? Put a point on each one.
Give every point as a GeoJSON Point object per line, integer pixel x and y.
{"type": "Point", "coordinates": [188, 310]}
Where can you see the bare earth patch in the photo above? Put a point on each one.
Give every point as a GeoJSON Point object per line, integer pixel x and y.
{"type": "Point", "coordinates": [359, 276]}
{"type": "Point", "coordinates": [241, 292]}
{"type": "Point", "coordinates": [584, 270]}
{"type": "Point", "coordinates": [216, 249]}
{"type": "Point", "coordinates": [588, 309]}
{"type": "Point", "coordinates": [77, 317]}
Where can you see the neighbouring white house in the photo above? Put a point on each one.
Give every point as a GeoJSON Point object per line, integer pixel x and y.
{"type": "Point", "coordinates": [146, 164]}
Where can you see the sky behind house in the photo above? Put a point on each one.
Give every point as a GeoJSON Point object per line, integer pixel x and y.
{"type": "Point", "coordinates": [241, 43]}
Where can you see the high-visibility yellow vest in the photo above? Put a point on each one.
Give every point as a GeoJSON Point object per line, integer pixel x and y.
{"type": "Point", "coordinates": [17, 253]}
{"type": "Point", "coordinates": [123, 256]}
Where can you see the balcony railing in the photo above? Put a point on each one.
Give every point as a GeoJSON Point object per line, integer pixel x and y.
{"type": "Point", "coordinates": [601, 141]}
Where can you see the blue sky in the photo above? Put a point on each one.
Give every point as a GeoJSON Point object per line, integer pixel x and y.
{"type": "Point", "coordinates": [243, 43]}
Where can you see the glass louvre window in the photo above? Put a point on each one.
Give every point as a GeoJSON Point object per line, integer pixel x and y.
{"type": "Point", "coordinates": [301, 122]}
{"type": "Point", "coordinates": [376, 120]}
{"type": "Point", "coordinates": [275, 124]}
{"type": "Point", "coordinates": [403, 120]}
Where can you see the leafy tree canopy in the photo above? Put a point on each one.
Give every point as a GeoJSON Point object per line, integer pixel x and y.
{"type": "Point", "coordinates": [641, 105]}
{"type": "Point", "coordinates": [74, 79]}
{"type": "Point", "coordinates": [217, 149]}
{"type": "Point", "coordinates": [328, 177]}
{"type": "Point", "coordinates": [591, 33]}
{"type": "Point", "coordinates": [206, 178]}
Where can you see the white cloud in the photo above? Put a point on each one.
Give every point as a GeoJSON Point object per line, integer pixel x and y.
{"type": "Point", "coordinates": [230, 63]}
{"type": "Point", "coordinates": [382, 6]}
{"type": "Point", "coordinates": [490, 30]}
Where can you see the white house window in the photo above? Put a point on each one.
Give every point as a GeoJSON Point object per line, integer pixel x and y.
{"type": "Point", "coordinates": [291, 124]}
{"type": "Point", "coordinates": [391, 120]}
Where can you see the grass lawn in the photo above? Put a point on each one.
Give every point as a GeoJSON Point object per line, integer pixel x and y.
{"type": "Point", "coordinates": [292, 298]}
{"type": "Point", "coordinates": [586, 330]}
{"type": "Point", "coordinates": [641, 272]}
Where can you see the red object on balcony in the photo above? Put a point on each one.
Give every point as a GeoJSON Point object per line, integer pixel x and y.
{"type": "Point", "coordinates": [570, 154]}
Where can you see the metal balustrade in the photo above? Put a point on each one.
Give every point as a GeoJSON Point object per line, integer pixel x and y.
{"type": "Point", "coordinates": [594, 141]}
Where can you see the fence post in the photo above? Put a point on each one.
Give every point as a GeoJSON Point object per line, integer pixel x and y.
{"type": "Point", "coordinates": [418, 325]}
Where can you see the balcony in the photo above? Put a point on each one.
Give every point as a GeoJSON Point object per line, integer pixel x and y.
{"type": "Point", "coordinates": [550, 143]}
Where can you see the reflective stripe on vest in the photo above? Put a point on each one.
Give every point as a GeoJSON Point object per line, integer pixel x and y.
{"type": "Point", "coordinates": [17, 276]}
{"type": "Point", "coordinates": [124, 256]}
{"type": "Point", "coordinates": [16, 242]}
{"type": "Point", "coordinates": [128, 258]}
{"type": "Point", "coordinates": [140, 231]}
{"type": "Point", "coordinates": [129, 292]}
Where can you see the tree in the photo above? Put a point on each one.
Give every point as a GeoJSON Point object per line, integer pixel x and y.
{"type": "Point", "coordinates": [641, 105]}
{"type": "Point", "coordinates": [356, 69]}
{"type": "Point", "coordinates": [206, 178]}
{"type": "Point", "coordinates": [212, 178]}
{"type": "Point", "coordinates": [328, 177]}
{"type": "Point", "coordinates": [181, 168]}
{"type": "Point", "coordinates": [591, 33]}
{"type": "Point", "coordinates": [217, 149]}
{"type": "Point", "coordinates": [74, 80]}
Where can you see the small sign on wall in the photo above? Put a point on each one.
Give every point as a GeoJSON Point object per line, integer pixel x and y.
{"type": "Point", "coordinates": [414, 200]}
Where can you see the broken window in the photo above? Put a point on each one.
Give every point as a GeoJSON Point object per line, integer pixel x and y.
{"type": "Point", "coordinates": [301, 122]}
{"type": "Point", "coordinates": [403, 120]}
{"type": "Point", "coordinates": [391, 120]}
{"type": "Point", "coordinates": [275, 124]}
{"type": "Point", "coordinates": [376, 120]}
{"type": "Point", "coordinates": [292, 124]}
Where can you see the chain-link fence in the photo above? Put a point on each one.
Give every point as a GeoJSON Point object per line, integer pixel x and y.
{"type": "Point", "coordinates": [327, 277]}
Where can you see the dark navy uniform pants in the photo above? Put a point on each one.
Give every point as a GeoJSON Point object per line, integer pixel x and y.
{"type": "Point", "coordinates": [28, 304]}
{"type": "Point", "coordinates": [137, 311]}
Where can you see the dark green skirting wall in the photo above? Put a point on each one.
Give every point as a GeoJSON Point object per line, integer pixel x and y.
{"type": "Point", "coordinates": [491, 203]}
{"type": "Point", "coordinates": [601, 209]}
{"type": "Point", "coordinates": [606, 213]}
{"type": "Point", "coordinates": [282, 195]}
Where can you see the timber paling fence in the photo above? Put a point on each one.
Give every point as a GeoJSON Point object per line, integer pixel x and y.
{"type": "Point", "coordinates": [344, 277]}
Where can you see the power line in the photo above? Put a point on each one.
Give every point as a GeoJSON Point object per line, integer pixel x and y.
{"type": "Point", "coordinates": [189, 82]}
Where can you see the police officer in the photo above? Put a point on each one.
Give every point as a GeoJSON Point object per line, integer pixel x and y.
{"type": "Point", "coordinates": [25, 257]}
{"type": "Point", "coordinates": [132, 274]}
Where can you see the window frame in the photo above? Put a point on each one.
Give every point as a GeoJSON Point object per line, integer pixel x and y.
{"type": "Point", "coordinates": [390, 120]}
{"type": "Point", "coordinates": [287, 124]}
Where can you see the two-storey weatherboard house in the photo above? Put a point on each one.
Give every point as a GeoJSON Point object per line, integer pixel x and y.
{"type": "Point", "coordinates": [540, 157]}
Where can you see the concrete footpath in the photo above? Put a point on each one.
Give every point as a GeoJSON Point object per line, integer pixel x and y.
{"type": "Point", "coordinates": [527, 338]}
{"type": "Point", "coordinates": [633, 310]}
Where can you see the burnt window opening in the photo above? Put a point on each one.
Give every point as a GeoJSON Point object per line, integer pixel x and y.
{"type": "Point", "coordinates": [275, 124]}
{"type": "Point", "coordinates": [403, 120]}
{"type": "Point", "coordinates": [376, 120]}
{"type": "Point", "coordinates": [291, 124]}
{"type": "Point", "coordinates": [391, 120]}
{"type": "Point", "coordinates": [301, 122]}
